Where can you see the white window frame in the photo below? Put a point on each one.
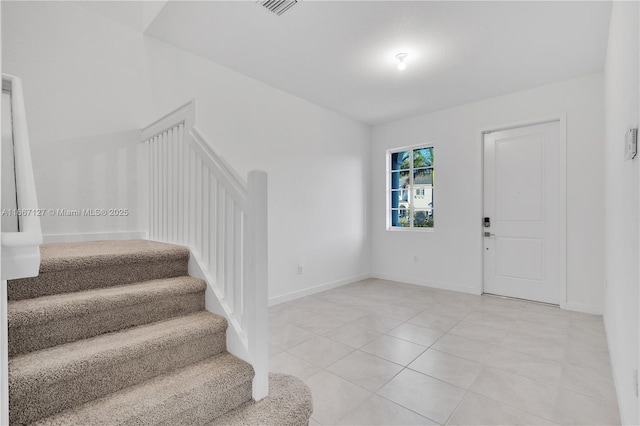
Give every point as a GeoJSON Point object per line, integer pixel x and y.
{"type": "Point", "coordinates": [410, 228]}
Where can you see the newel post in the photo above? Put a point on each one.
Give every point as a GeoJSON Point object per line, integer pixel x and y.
{"type": "Point", "coordinates": [257, 281]}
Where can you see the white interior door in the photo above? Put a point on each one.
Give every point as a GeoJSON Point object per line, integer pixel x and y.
{"type": "Point", "coordinates": [521, 200]}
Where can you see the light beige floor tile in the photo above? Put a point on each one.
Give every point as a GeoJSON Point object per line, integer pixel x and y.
{"type": "Point", "coordinates": [451, 311]}
{"type": "Point", "coordinates": [542, 332]}
{"type": "Point", "coordinates": [303, 302]}
{"type": "Point", "coordinates": [584, 355]}
{"type": "Point", "coordinates": [425, 395]}
{"type": "Point", "coordinates": [476, 410]}
{"type": "Point", "coordinates": [365, 370]}
{"type": "Point", "coordinates": [544, 348]}
{"type": "Point", "coordinates": [547, 310]}
{"type": "Point", "coordinates": [313, 422]}
{"type": "Point", "coordinates": [378, 411]}
{"type": "Point", "coordinates": [579, 316]}
{"type": "Point", "coordinates": [321, 351]}
{"type": "Point", "coordinates": [471, 349]}
{"type": "Point", "coordinates": [352, 301]}
{"type": "Point", "coordinates": [318, 324]}
{"type": "Point", "coordinates": [287, 314]}
{"type": "Point", "coordinates": [490, 320]}
{"type": "Point", "coordinates": [469, 329]}
{"type": "Point", "coordinates": [588, 381]}
{"type": "Point", "coordinates": [288, 336]}
{"type": "Point", "coordinates": [414, 333]}
{"type": "Point", "coordinates": [533, 367]}
{"type": "Point", "coordinates": [394, 350]}
{"type": "Point", "coordinates": [449, 368]}
{"type": "Point", "coordinates": [377, 323]}
{"type": "Point", "coordinates": [576, 409]}
{"type": "Point", "coordinates": [434, 321]}
{"type": "Point", "coordinates": [274, 350]}
{"type": "Point", "coordinates": [353, 336]}
{"type": "Point", "coordinates": [588, 336]}
{"type": "Point", "coordinates": [418, 301]}
{"type": "Point", "coordinates": [547, 319]}
{"type": "Point", "coordinates": [333, 397]}
{"type": "Point", "coordinates": [286, 363]}
{"type": "Point", "coordinates": [342, 313]}
{"type": "Point", "coordinates": [522, 343]}
{"type": "Point", "coordinates": [503, 307]}
{"type": "Point", "coordinates": [425, 297]}
{"type": "Point", "coordinates": [517, 392]}
{"type": "Point", "coordinates": [401, 313]}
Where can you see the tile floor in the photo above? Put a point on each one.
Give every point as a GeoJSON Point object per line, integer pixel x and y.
{"type": "Point", "coordinates": [385, 353]}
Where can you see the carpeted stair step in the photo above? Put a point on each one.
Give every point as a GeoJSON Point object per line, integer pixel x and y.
{"type": "Point", "coordinates": [289, 404]}
{"type": "Point", "coordinates": [72, 267]}
{"type": "Point", "coordinates": [49, 381]}
{"type": "Point", "coordinates": [48, 321]}
{"type": "Point", "coordinates": [193, 395]}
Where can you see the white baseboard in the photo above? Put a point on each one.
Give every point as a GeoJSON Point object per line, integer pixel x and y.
{"type": "Point", "coordinates": [316, 289]}
{"type": "Point", "coordinates": [579, 307]}
{"type": "Point", "coordinates": [426, 283]}
{"type": "Point", "coordinates": [98, 236]}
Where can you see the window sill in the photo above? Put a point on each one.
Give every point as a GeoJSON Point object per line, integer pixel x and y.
{"type": "Point", "coordinates": [398, 229]}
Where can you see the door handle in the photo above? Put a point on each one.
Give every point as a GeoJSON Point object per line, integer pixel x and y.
{"type": "Point", "coordinates": [489, 234]}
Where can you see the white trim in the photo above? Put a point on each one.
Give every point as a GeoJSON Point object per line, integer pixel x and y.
{"type": "Point", "coordinates": [317, 289]}
{"type": "Point", "coordinates": [562, 194]}
{"type": "Point", "coordinates": [580, 307]}
{"type": "Point", "coordinates": [236, 339]}
{"type": "Point", "coordinates": [181, 158]}
{"type": "Point", "coordinates": [97, 236]}
{"type": "Point", "coordinates": [183, 114]}
{"type": "Point", "coordinates": [390, 151]}
{"type": "Point", "coordinates": [426, 283]}
{"type": "Point", "coordinates": [21, 254]}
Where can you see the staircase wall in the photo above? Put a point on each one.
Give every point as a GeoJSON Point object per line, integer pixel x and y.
{"type": "Point", "coordinates": [91, 82]}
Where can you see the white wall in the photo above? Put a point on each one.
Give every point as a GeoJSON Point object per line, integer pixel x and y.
{"type": "Point", "coordinates": [90, 83]}
{"type": "Point", "coordinates": [621, 202]}
{"type": "Point", "coordinates": [451, 256]}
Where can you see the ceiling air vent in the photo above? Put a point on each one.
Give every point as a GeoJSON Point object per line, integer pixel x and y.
{"type": "Point", "coordinates": [278, 6]}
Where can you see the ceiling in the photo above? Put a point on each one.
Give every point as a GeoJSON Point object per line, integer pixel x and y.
{"type": "Point", "coordinates": [341, 54]}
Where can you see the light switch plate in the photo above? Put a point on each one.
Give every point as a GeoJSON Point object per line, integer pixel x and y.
{"type": "Point", "coordinates": [631, 143]}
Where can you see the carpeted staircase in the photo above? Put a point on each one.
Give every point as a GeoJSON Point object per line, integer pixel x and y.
{"type": "Point", "coordinates": [115, 333]}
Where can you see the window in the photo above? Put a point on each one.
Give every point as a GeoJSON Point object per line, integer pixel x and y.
{"type": "Point", "coordinates": [410, 187]}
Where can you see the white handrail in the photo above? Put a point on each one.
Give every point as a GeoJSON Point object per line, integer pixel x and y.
{"type": "Point", "coordinates": [197, 199]}
{"type": "Point", "coordinates": [21, 250]}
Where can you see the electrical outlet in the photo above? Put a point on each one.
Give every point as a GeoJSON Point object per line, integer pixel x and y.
{"type": "Point", "coordinates": [300, 267]}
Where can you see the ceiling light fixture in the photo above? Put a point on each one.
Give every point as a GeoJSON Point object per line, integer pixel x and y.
{"type": "Point", "coordinates": [402, 65]}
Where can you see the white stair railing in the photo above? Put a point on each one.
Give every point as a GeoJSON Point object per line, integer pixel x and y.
{"type": "Point", "coordinates": [20, 248]}
{"type": "Point", "coordinates": [196, 199]}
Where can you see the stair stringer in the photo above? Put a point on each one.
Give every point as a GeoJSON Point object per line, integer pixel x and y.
{"type": "Point", "coordinates": [236, 339]}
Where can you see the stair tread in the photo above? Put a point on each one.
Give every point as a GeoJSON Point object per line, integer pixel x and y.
{"type": "Point", "coordinates": [69, 360]}
{"type": "Point", "coordinates": [163, 397]}
{"type": "Point", "coordinates": [61, 256]}
{"type": "Point", "coordinates": [47, 308]}
{"type": "Point", "coordinates": [289, 404]}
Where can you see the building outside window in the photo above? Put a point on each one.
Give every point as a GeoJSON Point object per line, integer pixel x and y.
{"type": "Point", "coordinates": [411, 171]}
